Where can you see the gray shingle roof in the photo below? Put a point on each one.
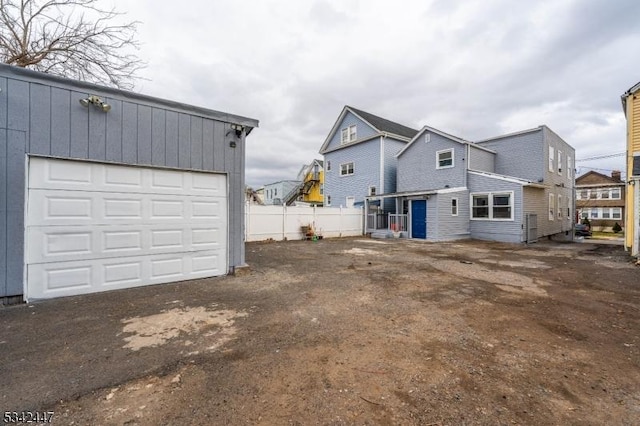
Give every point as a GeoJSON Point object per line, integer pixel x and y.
{"type": "Point", "coordinates": [384, 125]}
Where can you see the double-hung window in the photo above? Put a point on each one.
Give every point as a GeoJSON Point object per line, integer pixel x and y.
{"type": "Point", "coordinates": [444, 159]}
{"type": "Point", "coordinates": [346, 169]}
{"type": "Point", "coordinates": [552, 202]}
{"type": "Point", "coordinates": [348, 134]}
{"type": "Point", "coordinates": [559, 208]}
{"type": "Point", "coordinates": [559, 162]}
{"type": "Point", "coordinates": [492, 206]}
{"type": "Point", "coordinates": [551, 158]}
{"type": "Point", "coordinates": [615, 193]}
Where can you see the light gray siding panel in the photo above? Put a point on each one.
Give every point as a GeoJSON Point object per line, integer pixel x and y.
{"type": "Point", "coordinates": [207, 144]}
{"type": "Point", "coordinates": [79, 128]}
{"type": "Point", "coordinates": [363, 130]}
{"type": "Point", "coordinates": [417, 165]}
{"type": "Point", "coordinates": [498, 230]}
{"type": "Point", "coordinates": [391, 148]}
{"type": "Point", "coordinates": [451, 227]}
{"type": "Point", "coordinates": [97, 134]}
{"type": "Point", "coordinates": [366, 159]}
{"type": "Point", "coordinates": [481, 160]}
{"type": "Point", "coordinates": [144, 135]}
{"type": "Point", "coordinates": [229, 153]}
{"type": "Point", "coordinates": [235, 215]}
{"type": "Point", "coordinates": [158, 141]}
{"type": "Point", "coordinates": [60, 122]}
{"type": "Point", "coordinates": [196, 142]}
{"type": "Point", "coordinates": [184, 141]}
{"type": "Point", "coordinates": [218, 148]}
{"type": "Point", "coordinates": [4, 184]}
{"type": "Point", "coordinates": [129, 133]}
{"type": "Point", "coordinates": [16, 148]}
{"type": "Point", "coordinates": [520, 156]}
{"type": "Point", "coordinates": [3, 103]}
{"type": "Point", "coordinates": [18, 105]}
{"type": "Point", "coordinates": [114, 131]}
{"type": "Point", "coordinates": [172, 135]}
{"type": "Point", "coordinates": [40, 119]}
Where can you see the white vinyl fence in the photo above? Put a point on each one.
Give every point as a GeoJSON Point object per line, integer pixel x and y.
{"type": "Point", "coordinates": [285, 223]}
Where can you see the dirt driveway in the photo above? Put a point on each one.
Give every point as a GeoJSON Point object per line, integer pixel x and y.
{"type": "Point", "coordinates": [349, 331]}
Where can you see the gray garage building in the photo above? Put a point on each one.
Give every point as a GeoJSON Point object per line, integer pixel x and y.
{"type": "Point", "coordinates": [104, 189]}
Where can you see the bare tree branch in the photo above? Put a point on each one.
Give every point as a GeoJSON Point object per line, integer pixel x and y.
{"type": "Point", "coordinates": [71, 38]}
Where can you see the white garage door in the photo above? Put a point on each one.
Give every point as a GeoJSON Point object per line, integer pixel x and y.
{"type": "Point", "coordinates": [95, 227]}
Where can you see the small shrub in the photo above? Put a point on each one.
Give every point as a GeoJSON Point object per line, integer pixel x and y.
{"type": "Point", "coordinates": [617, 228]}
{"type": "Point", "coordinates": [586, 221]}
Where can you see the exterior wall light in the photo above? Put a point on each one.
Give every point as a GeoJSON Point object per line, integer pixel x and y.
{"type": "Point", "coordinates": [95, 100]}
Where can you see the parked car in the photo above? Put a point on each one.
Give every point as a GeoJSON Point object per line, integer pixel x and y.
{"type": "Point", "coordinates": [582, 230]}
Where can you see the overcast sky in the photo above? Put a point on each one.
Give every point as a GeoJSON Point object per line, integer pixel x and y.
{"type": "Point", "coordinates": [474, 69]}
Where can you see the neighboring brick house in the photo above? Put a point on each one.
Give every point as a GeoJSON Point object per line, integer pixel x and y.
{"type": "Point", "coordinates": [359, 157]}
{"type": "Point", "coordinates": [601, 199]}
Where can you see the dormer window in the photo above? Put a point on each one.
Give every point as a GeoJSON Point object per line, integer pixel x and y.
{"type": "Point", "coordinates": [348, 134]}
{"type": "Point", "coordinates": [444, 159]}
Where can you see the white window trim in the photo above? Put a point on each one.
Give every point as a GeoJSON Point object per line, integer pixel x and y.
{"type": "Point", "coordinates": [552, 205]}
{"type": "Point", "coordinates": [345, 140]}
{"type": "Point", "coordinates": [457, 206]}
{"type": "Point", "coordinates": [569, 166]}
{"type": "Point", "coordinates": [453, 162]}
{"type": "Point", "coordinates": [353, 168]}
{"type": "Point", "coordinates": [619, 194]}
{"type": "Point", "coordinates": [490, 205]}
{"type": "Point", "coordinates": [375, 192]}
{"type": "Point", "coordinates": [551, 159]}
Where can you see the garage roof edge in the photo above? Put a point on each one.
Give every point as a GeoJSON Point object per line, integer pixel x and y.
{"type": "Point", "coordinates": [61, 82]}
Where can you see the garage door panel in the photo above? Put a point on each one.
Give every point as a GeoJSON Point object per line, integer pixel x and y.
{"type": "Point", "coordinates": [58, 208]}
{"type": "Point", "coordinates": [94, 227]}
{"type": "Point", "coordinates": [82, 277]}
{"type": "Point", "coordinates": [49, 173]}
{"type": "Point", "coordinates": [65, 243]}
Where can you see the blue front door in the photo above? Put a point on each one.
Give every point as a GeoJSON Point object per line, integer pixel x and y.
{"type": "Point", "coordinates": [419, 219]}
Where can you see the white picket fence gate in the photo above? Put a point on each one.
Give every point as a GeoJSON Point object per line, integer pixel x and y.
{"type": "Point", "coordinates": [285, 223]}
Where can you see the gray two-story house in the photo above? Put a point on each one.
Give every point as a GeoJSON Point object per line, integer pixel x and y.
{"type": "Point", "coordinates": [513, 188]}
{"type": "Point", "coordinates": [360, 157]}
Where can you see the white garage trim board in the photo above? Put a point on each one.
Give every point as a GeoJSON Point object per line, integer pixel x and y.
{"type": "Point", "coordinates": [94, 227]}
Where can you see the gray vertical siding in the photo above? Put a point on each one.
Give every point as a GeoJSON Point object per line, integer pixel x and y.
{"type": "Point", "coordinates": [16, 148]}
{"type": "Point", "coordinates": [3, 208]}
{"type": "Point", "coordinates": [42, 115]}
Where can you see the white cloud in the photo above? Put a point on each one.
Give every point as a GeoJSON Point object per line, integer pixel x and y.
{"type": "Point", "coordinates": [472, 68]}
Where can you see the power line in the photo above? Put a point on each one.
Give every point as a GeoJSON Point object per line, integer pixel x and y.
{"type": "Point", "coordinates": [599, 157]}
